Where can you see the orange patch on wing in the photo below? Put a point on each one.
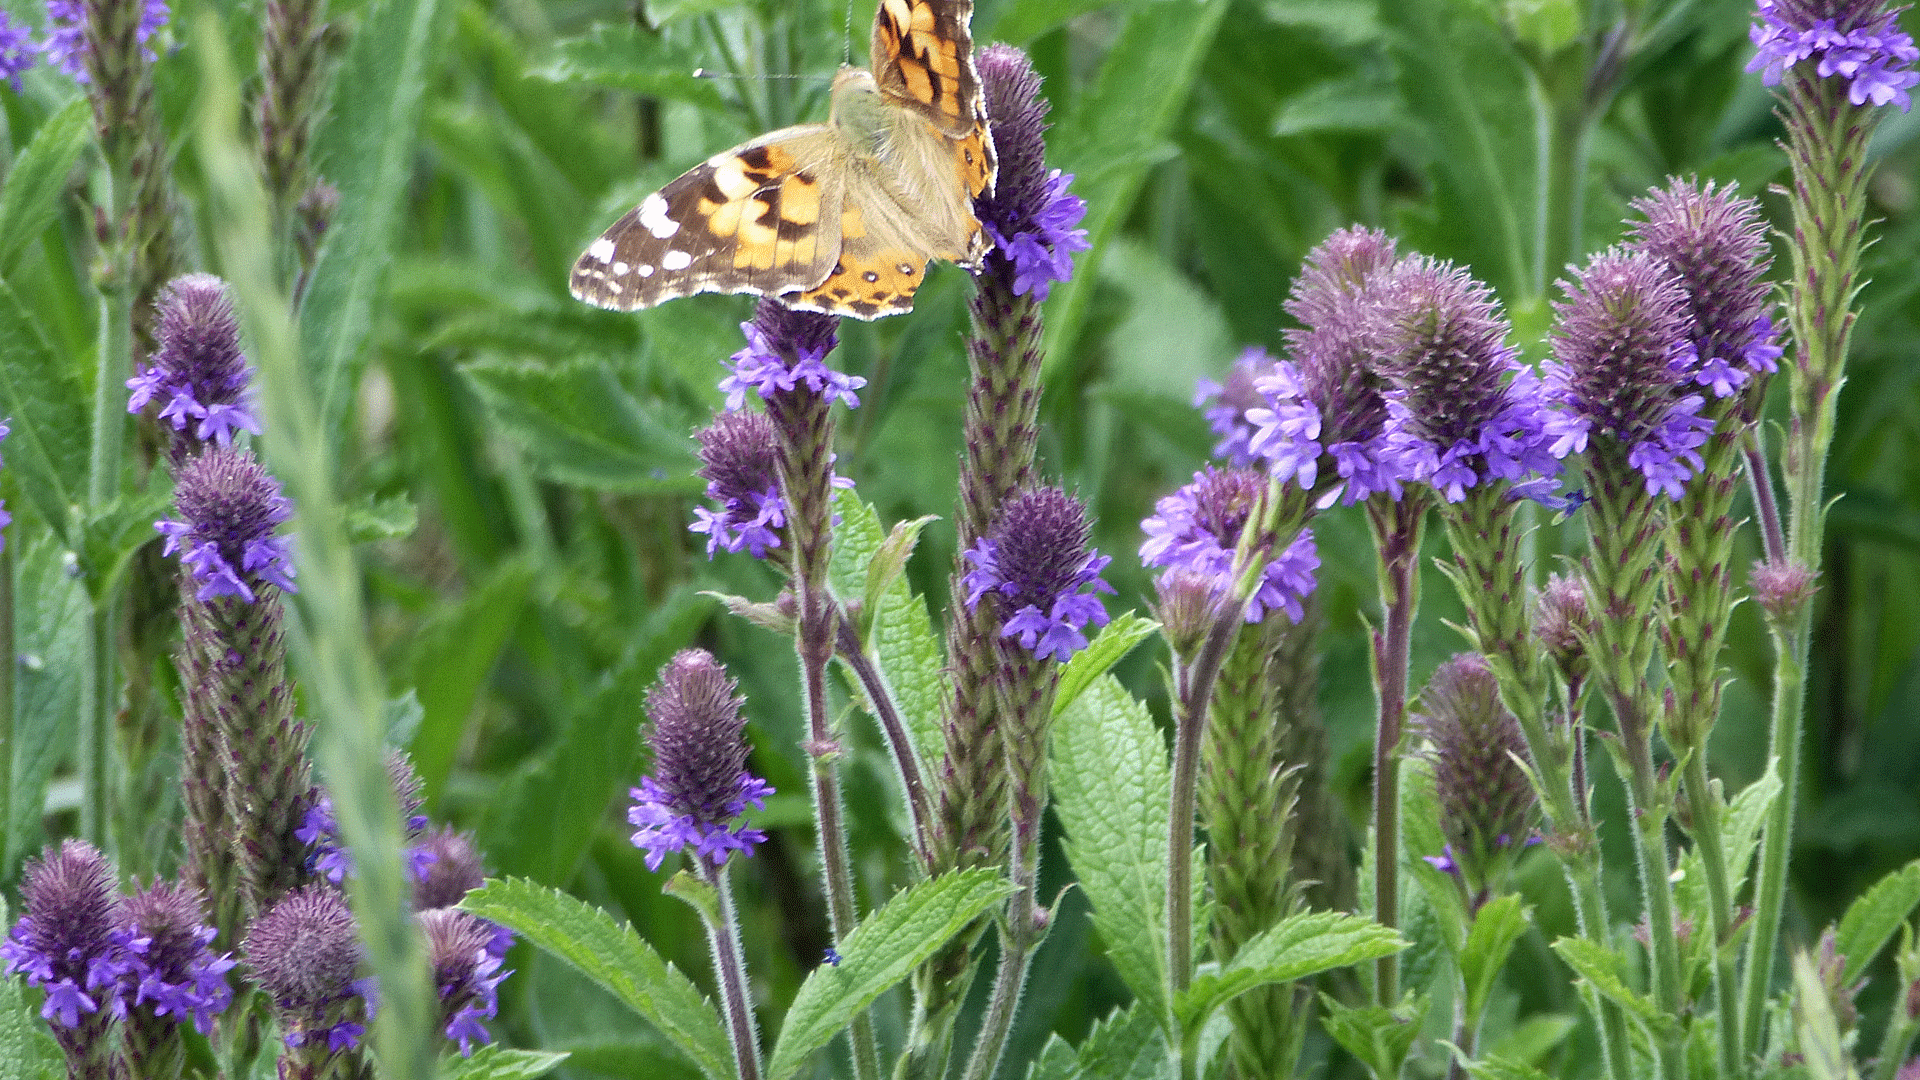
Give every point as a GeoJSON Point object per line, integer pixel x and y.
{"type": "Point", "coordinates": [853, 224]}
{"type": "Point", "coordinates": [881, 283]}
{"type": "Point", "coordinates": [759, 237]}
{"type": "Point", "coordinates": [974, 161]}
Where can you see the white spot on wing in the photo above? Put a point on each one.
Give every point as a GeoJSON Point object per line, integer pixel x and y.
{"type": "Point", "coordinates": [601, 251]}
{"type": "Point", "coordinates": [676, 260]}
{"type": "Point", "coordinates": [620, 269]}
{"type": "Point", "coordinates": [653, 215]}
{"type": "Point", "coordinates": [645, 270]}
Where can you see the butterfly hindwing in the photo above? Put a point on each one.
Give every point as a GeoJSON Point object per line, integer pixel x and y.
{"type": "Point", "coordinates": [760, 218]}
{"type": "Point", "coordinates": [923, 55]}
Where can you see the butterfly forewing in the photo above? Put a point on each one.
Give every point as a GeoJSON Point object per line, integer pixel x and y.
{"type": "Point", "coordinates": [760, 218]}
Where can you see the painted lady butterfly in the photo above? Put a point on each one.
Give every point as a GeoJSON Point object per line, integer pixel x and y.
{"type": "Point", "coordinates": [839, 217]}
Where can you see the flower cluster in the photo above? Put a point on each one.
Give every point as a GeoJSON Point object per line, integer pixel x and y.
{"type": "Point", "coordinates": [1197, 528]}
{"type": "Point", "coordinates": [1030, 215]}
{"type": "Point", "coordinates": [66, 45]}
{"type": "Point", "coordinates": [1462, 410]}
{"type": "Point", "coordinates": [740, 459]}
{"type": "Point", "coordinates": [1036, 562]}
{"type": "Point", "coordinates": [700, 785]}
{"type": "Point", "coordinates": [466, 974]}
{"type": "Point", "coordinates": [764, 370]}
{"type": "Point", "coordinates": [1624, 369]}
{"type": "Point", "coordinates": [198, 369]}
{"type": "Point", "coordinates": [169, 969]}
{"type": "Point", "coordinates": [66, 942]}
{"type": "Point", "coordinates": [229, 506]}
{"type": "Point", "coordinates": [17, 49]}
{"type": "Point", "coordinates": [305, 952]}
{"type": "Point", "coordinates": [320, 831]}
{"type": "Point", "coordinates": [1487, 805]}
{"type": "Point", "coordinates": [1225, 405]}
{"type": "Point", "coordinates": [1857, 40]}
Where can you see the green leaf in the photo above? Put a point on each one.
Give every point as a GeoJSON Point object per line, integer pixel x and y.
{"type": "Point", "coordinates": [1740, 829]}
{"type": "Point", "coordinates": [622, 56]}
{"type": "Point", "coordinates": [1600, 967]}
{"type": "Point", "coordinates": [1111, 783]}
{"type": "Point", "coordinates": [30, 198]}
{"type": "Point", "coordinates": [46, 408]}
{"type": "Point", "coordinates": [588, 940]}
{"type": "Point", "coordinates": [1380, 1037]}
{"type": "Point", "coordinates": [452, 657]}
{"type": "Point", "coordinates": [110, 537]}
{"type": "Point", "coordinates": [1871, 920]}
{"type": "Point", "coordinates": [1498, 925]}
{"type": "Point", "coordinates": [1814, 1023]}
{"type": "Point", "coordinates": [50, 619]}
{"type": "Point", "coordinates": [499, 1063]}
{"type": "Point", "coordinates": [1129, 1045]}
{"type": "Point", "coordinates": [1296, 947]}
{"type": "Point", "coordinates": [899, 634]}
{"type": "Point", "coordinates": [365, 146]}
{"type": "Point", "coordinates": [881, 951]}
{"type": "Point", "coordinates": [891, 560]}
{"type": "Point", "coordinates": [580, 425]}
{"type": "Point", "coordinates": [857, 538]}
{"type": "Point", "coordinates": [1495, 1067]}
{"type": "Point", "coordinates": [1114, 641]}
{"type": "Point", "coordinates": [1056, 1061]}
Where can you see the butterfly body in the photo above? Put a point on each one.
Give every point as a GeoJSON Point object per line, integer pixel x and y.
{"type": "Point", "coordinates": [840, 217]}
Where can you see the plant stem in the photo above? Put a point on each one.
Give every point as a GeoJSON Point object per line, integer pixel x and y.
{"type": "Point", "coordinates": [1194, 683]}
{"type": "Point", "coordinates": [1397, 527]}
{"type": "Point", "coordinates": [1019, 936]}
{"type": "Point", "coordinates": [1656, 885]}
{"type": "Point", "coordinates": [1704, 803]}
{"type": "Point", "coordinates": [906, 759]}
{"type": "Point", "coordinates": [730, 969]}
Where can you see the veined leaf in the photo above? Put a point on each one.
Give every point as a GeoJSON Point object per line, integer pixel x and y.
{"type": "Point", "coordinates": [30, 198]}
{"type": "Point", "coordinates": [1298, 946]}
{"type": "Point", "coordinates": [1871, 920]}
{"type": "Point", "coordinates": [1114, 641]}
{"type": "Point", "coordinates": [44, 405]}
{"type": "Point", "coordinates": [499, 1063]}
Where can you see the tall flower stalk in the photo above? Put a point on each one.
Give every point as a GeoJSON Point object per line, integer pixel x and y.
{"type": "Point", "coordinates": [1838, 64]}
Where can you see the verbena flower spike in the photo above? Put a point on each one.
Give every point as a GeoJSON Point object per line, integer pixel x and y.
{"type": "Point", "coordinates": [700, 785]}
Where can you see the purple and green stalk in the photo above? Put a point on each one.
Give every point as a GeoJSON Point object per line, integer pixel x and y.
{"type": "Point", "coordinates": [1715, 245]}
{"type": "Point", "coordinates": [1032, 220]}
{"type": "Point", "coordinates": [172, 976]}
{"type": "Point", "coordinates": [1623, 381]}
{"type": "Point", "coordinates": [1837, 63]}
{"type": "Point", "coordinates": [305, 954]}
{"type": "Point", "coordinates": [1031, 569]}
{"type": "Point", "coordinates": [291, 55]}
{"type": "Point", "coordinates": [692, 802]}
{"type": "Point", "coordinates": [67, 944]}
{"type": "Point", "coordinates": [785, 362]}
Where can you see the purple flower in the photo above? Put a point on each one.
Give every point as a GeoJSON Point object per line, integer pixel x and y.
{"type": "Point", "coordinates": [229, 506]}
{"type": "Point", "coordinates": [740, 459]}
{"type": "Point", "coordinates": [1035, 562]}
{"type": "Point", "coordinates": [1477, 749]}
{"type": "Point", "coordinates": [466, 973]}
{"type": "Point", "coordinates": [68, 942]}
{"type": "Point", "coordinates": [320, 831]}
{"type": "Point", "coordinates": [198, 369]}
{"type": "Point", "coordinates": [305, 953]}
{"type": "Point", "coordinates": [171, 973]}
{"type": "Point", "coordinates": [1624, 369]}
{"type": "Point", "coordinates": [780, 362]}
{"type": "Point", "coordinates": [67, 46]}
{"type": "Point", "coordinates": [1225, 405]}
{"type": "Point", "coordinates": [17, 49]}
{"type": "Point", "coordinates": [1462, 410]}
{"type": "Point", "coordinates": [449, 868]}
{"type": "Point", "coordinates": [700, 784]}
{"type": "Point", "coordinates": [1858, 40]}
{"type": "Point", "coordinates": [1197, 528]}
{"type": "Point", "coordinates": [1029, 214]}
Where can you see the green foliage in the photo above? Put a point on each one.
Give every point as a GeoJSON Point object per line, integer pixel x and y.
{"type": "Point", "coordinates": [1298, 946]}
{"type": "Point", "coordinates": [1377, 1037]}
{"type": "Point", "coordinates": [1872, 919]}
{"type": "Point", "coordinates": [498, 1063]}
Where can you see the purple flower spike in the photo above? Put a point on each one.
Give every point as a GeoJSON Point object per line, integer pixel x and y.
{"type": "Point", "coordinates": [198, 371]}
{"type": "Point", "coordinates": [1225, 405]}
{"type": "Point", "coordinates": [786, 350]}
{"type": "Point", "coordinates": [1197, 528]}
{"type": "Point", "coordinates": [700, 784]}
{"type": "Point", "coordinates": [305, 953]}
{"type": "Point", "coordinates": [1462, 410]}
{"type": "Point", "coordinates": [1476, 748]}
{"type": "Point", "coordinates": [1029, 214]}
{"type": "Point", "coordinates": [740, 460]}
{"type": "Point", "coordinates": [1857, 40]}
{"type": "Point", "coordinates": [320, 831]}
{"type": "Point", "coordinates": [466, 973]}
{"type": "Point", "coordinates": [229, 506]}
{"type": "Point", "coordinates": [1036, 561]}
{"type": "Point", "coordinates": [68, 942]}
{"type": "Point", "coordinates": [171, 973]}
{"type": "Point", "coordinates": [17, 49]}
{"type": "Point", "coordinates": [67, 47]}
{"type": "Point", "coordinates": [1624, 369]}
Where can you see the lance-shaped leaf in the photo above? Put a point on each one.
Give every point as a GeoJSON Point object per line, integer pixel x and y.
{"type": "Point", "coordinates": [1298, 946]}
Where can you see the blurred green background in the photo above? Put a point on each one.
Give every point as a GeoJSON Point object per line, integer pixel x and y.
{"type": "Point", "coordinates": [520, 475]}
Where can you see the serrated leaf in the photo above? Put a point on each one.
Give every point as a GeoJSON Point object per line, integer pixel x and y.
{"type": "Point", "coordinates": [1740, 830]}
{"type": "Point", "coordinates": [1114, 641]}
{"type": "Point", "coordinates": [1296, 947]}
{"type": "Point", "coordinates": [857, 537]}
{"type": "Point", "coordinates": [499, 1063]}
{"type": "Point", "coordinates": [1871, 920]}
{"type": "Point", "coordinates": [1497, 926]}
{"type": "Point", "coordinates": [1600, 967]}
{"type": "Point", "coordinates": [612, 955]}
{"type": "Point", "coordinates": [30, 198]}
{"type": "Point", "coordinates": [1111, 783]}
{"type": "Point", "coordinates": [883, 950]}
{"type": "Point", "coordinates": [44, 405]}
{"type": "Point", "coordinates": [365, 146]}
{"type": "Point", "coordinates": [1128, 1045]}
{"type": "Point", "coordinates": [580, 425]}
{"type": "Point", "coordinates": [1378, 1036]}
{"type": "Point", "coordinates": [391, 518]}
{"type": "Point", "coordinates": [1813, 1021]}
{"type": "Point", "coordinates": [891, 560]}
{"type": "Point", "coordinates": [622, 56]}
{"type": "Point", "coordinates": [1056, 1061]}
{"type": "Point", "coordinates": [899, 635]}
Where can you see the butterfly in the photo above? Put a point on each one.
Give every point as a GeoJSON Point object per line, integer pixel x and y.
{"type": "Point", "coordinates": [841, 217]}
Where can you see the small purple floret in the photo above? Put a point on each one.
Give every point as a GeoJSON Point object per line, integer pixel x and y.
{"type": "Point", "coordinates": [1856, 40]}
{"type": "Point", "coordinates": [17, 49]}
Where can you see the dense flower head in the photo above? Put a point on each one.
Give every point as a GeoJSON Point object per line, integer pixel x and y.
{"type": "Point", "coordinates": [198, 372]}
{"type": "Point", "coordinates": [1030, 215]}
{"type": "Point", "coordinates": [466, 974]}
{"type": "Point", "coordinates": [787, 349]}
{"type": "Point", "coordinates": [1857, 40]}
{"type": "Point", "coordinates": [1624, 358]}
{"type": "Point", "coordinates": [1561, 620]}
{"type": "Point", "coordinates": [1715, 245]}
{"type": "Point", "coordinates": [1782, 588]}
{"type": "Point", "coordinates": [1462, 410]}
{"type": "Point", "coordinates": [67, 943]}
{"type": "Point", "coordinates": [1225, 405]}
{"type": "Point", "coordinates": [319, 830]}
{"type": "Point", "coordinates": [1198, 527]}
{"type": "Point", "coordinates": [66, 46]}
{"type": "Point", "coordinates": [171, 971]}
{"type": "Point", "coordinates": [17, 49]}
{"type": "Point", "coordinates": [1035, 562]}
{"type": "Point", "coordinates": [450, 868]}
{"type": "Point", "coordinates": [229, 507]}
{"type": "Point", "coordinates": [740, 458]}
{"type": "Point", "coordinates": [305, 952]}
{"type": "Point", "coordinates": [1487, 804]}
{"type": "Point", "coordinates": [700, 784]}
